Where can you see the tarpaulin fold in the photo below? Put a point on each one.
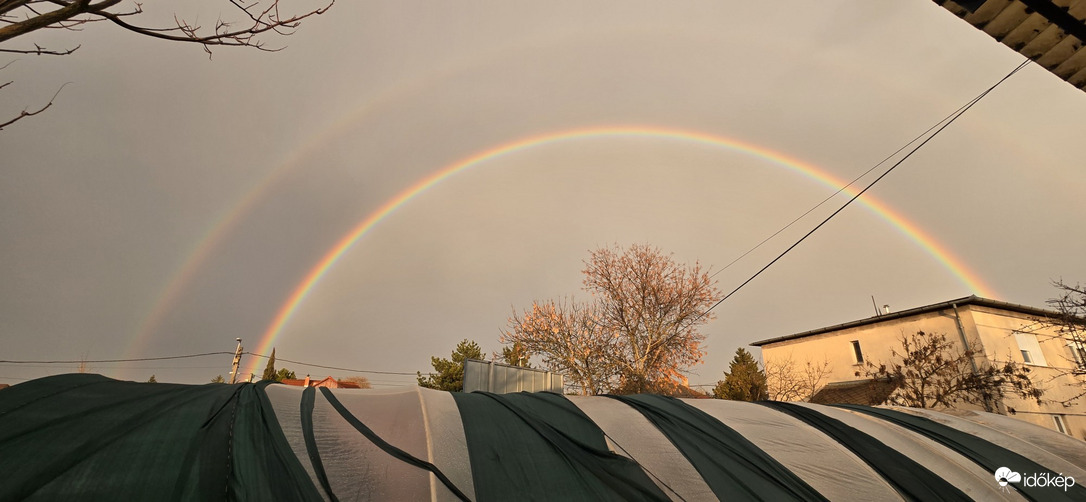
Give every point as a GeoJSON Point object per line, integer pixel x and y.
{"type": "Point", "coordinates": [911, 479]}
{"type": "Point", "coordinates": [984, 453]}
{"type": "Point", "coordinates": [88, 437]}
{"type": "Point", "coordinates": [732, 466]}
{"type": "Point", "coordinates": [541, 446]}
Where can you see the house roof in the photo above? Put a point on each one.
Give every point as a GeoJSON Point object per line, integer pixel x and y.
{"type": "Point", "coordinates": [867, 392]}
{"type": "Point", "coordinates": [313, 382]}
{"type": "Point", "coordinates": [935, 307]}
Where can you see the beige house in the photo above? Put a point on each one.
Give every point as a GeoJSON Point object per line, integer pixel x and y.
{"type": "Point", "coordinates": [997, 331]}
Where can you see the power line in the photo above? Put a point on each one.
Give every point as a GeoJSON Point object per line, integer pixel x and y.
{"type": "Point", "coordinates": [353, 370]}
{"type": "Point", "coordinates": [839, 190]}
{"type": "Point", "coordinates": [955, 116]}
{"type": "Point", "coordinates": [104, 367]}
{"type": "Point", "coordinates": [79, 361]}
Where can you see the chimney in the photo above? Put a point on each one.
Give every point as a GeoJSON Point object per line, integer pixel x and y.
{"type": "Point", "coordinates": [306, 383]}
{"type": "Point", "coordinates": [885, 309]}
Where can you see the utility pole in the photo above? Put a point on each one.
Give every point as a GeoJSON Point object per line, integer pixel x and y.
{"type": "Point", "coordinates": [237, 362]}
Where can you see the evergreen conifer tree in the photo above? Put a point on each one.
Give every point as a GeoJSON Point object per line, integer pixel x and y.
{"type": "Point", "coordinates": [269, 370]}
{"type": "Point", "coordinates": [450, 374]}
{"type": "Point", "coordinates": [743, 381]}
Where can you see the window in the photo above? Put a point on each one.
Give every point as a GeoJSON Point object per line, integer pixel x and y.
{"type": "Point", "coordinates": [1031, 350]}
{"type": "Point", "coordinates": [1078, 353]}
{"type": "Point", "coordinates": [1060, 426]}
{"type": "Point", "coordinates": [856, 352]}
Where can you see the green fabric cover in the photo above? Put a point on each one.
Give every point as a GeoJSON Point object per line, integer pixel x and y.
{"type": "Point", "coordinates": [87, 437]}
{"type": "Point", "coordinates": [308, 400]}
{"type": "Point", "coordinates": [910, 479]}
{"type": "Point", "coordinates": [986, 454]}
{"type": "Point", "coordinates": [541, 447]}
{"type": "Point", "coordinates": [732, 466]}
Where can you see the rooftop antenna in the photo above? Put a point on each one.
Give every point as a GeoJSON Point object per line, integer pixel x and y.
{"type": "Point", "coordinates": [873, 304]}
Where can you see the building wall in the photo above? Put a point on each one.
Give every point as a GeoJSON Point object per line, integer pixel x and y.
{"type": "Point", "coordinates": [1052, 371]}
{"type": "Point", "coordinates": [994, 329]}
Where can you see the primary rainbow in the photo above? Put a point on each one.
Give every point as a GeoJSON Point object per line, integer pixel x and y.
{"type": "Point", "coordinates": [939, 252]}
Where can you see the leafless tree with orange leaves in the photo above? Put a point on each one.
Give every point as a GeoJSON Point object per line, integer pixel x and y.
{"type": "Point", "coordinates": [570, 340]}
{"type": "Point", "coordinates": [249, 22]}
{"type": "Point", "coordinates": [640, 332]}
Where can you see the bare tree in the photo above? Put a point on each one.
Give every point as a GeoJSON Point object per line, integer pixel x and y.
{"type": "Point", "coordinates": [246, 26]}
{"type": "Point", "coordinates": [361, 381]}
{"type": "Point", "coordinates": [1068, 325]}
{"type": "Point", "coordinates": [931, 371]}
{"type": "Point", "coordinates": [789, 381]}
{"type": "Point", "coordinates": [1070, 321]}
{"type": "Point", "coordinates": [570, 340]}
{"type": "Point", "coordinates": [638, 335]}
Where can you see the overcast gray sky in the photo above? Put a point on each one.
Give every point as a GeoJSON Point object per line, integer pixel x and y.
{"type": "Point", "coordinates": [167, 204]}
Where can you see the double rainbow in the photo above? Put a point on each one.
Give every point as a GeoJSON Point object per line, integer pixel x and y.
{"type": "Point", "coordinates": [301, 291]}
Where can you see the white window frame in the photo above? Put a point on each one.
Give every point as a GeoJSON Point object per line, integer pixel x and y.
{"type": "Point", "coordinates": [857, 352]}
{"type": "Point", "coordinates": [1027, 342]}
{"type": "Point", "coordinates": [1061, 425]}
{"type": "Point", "coordinates": [1078, 353]}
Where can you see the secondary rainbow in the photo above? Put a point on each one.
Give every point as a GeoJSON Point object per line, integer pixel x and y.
{"type": "Point", "coordinates": [914, 232]}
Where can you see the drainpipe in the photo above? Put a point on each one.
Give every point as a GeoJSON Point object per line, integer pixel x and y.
{"type": "Point", "coordinates": [973, 360]}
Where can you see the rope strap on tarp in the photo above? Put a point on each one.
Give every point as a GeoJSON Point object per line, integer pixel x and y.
{"type": "Point", "coordinates": [540, 445]}
{"type": "Point", "coordinates": [732, 466]}
{"type": "Point", "coordinates": [307, 404]}
{"type": "Point", "coordinates": [984, 453]}
{"type": "Point", "coordinates": [384, 445]}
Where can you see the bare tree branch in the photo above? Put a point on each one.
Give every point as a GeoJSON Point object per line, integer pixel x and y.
{"type": "Point", "coordinates": [933, 371]}
{"type": "Point", "coordinates": [223, 36]}
{"type": "Point", "coordinates": [1068, 324]}
{"type": "Point", "coordinates": [41, 51]}
{"type": "Point", "coordinates": [42, 20]}
{"type": "Point", "coordinates": [70, 14]}
{"type": "Point", "coordinates": [787, 382]}
{"type": "Point", "coordinates": [21, 17]}
{"type": "Point", "coordinates": [24, 114]}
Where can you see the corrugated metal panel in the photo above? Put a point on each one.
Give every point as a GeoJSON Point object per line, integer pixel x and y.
{"type": "Point", "coordinates": [1050, 32]}
{"type": "Point", "coordinates": [488, 376]}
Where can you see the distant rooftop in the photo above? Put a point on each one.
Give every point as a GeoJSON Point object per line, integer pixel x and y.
{"type": "Point", "coordinates": [935, 307]}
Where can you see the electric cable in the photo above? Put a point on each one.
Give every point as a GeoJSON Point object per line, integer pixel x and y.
{"type": "Point", "coordinates": [869, 185]}
{"type": "Point", "coordinates": [839, 190]}
{"type": "Point", "coordinates": [78, 361]}
{"type": "Point", "coordinates": [353, 370]}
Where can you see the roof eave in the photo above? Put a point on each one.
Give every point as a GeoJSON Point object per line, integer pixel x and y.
{"type": "Point", "coordinates": [968, 300]}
